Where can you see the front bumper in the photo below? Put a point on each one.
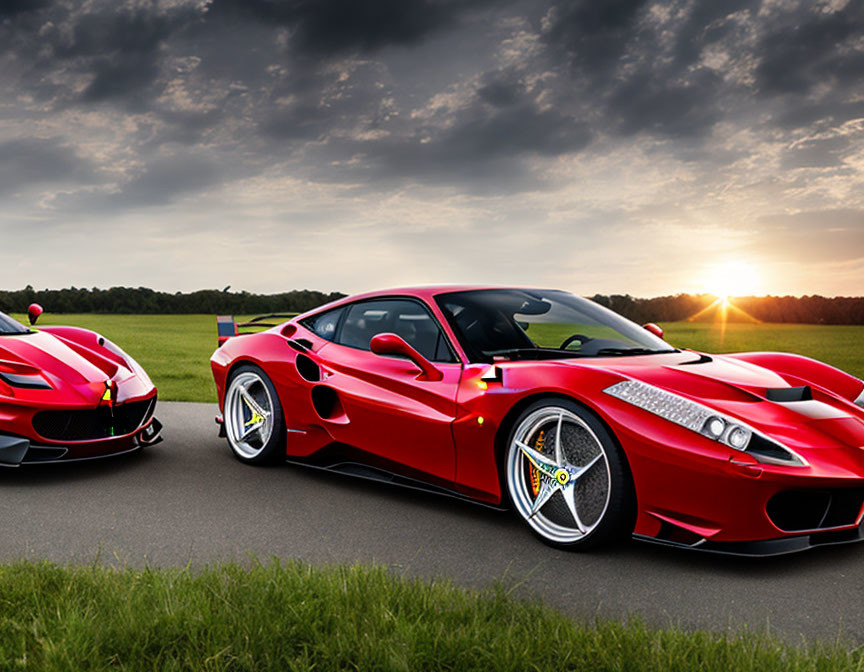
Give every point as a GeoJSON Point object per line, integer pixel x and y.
{"type": "Point", "coordinates": [15, 450]}
{"type": "Point", "coordinates": [768, 547]}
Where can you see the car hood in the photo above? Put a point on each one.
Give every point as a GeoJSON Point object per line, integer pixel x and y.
{"type": "Point", "coordinates": [708, 378]}
{"type": "Point", "coordinates": [64, 369]}
{"type": "Point", "coordinates": [740, 389]}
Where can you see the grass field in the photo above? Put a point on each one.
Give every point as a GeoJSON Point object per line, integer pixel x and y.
{"type": "Point", "coordinates": [175, 349]}
{"type": "Point", "coordinates": [290, 616]}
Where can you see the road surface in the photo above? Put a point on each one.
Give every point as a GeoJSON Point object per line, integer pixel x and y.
{"type": "Point", "coordinates": [187, 500]}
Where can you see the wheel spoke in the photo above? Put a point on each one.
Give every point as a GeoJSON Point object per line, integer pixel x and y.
{"type": "Point", "coordinates": [253, 405]}
{"type": "Point", "coordinates": [581, 472]}
{"type": "Point", "coordinates": [559, 453]}
{"type": "Point", "coordinates": [576, 516]}
{"type": "Point", "coordinates": [539, 460]}
{"type": "Point", "coordinates": [569, 493]}
{"type": "Point", "coordinates": [250, 429]}
{"type": "Point", "coordinates": [547, 489]}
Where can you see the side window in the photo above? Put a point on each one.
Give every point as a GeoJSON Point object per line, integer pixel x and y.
{"type": "Point", "coordinates": [324, 324]}
{"type": "Point", "coordinates": [407, 319]}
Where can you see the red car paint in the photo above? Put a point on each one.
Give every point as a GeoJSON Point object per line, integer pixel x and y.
{"type": "Point", "coordinates": [91, 385]}
{"type": "Point", "coordinates": [452, 432]}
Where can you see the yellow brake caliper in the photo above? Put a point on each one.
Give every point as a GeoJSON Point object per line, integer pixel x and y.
{"type": "Point", "coordinates": [255, 417]}
{"type": "Point", "coordinates": [533, 472]}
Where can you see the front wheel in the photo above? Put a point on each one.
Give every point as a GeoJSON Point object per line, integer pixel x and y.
{"type": "Point", "coordinates": [567, 478]}
{"type": "Point", "coordinates": [253, 417]}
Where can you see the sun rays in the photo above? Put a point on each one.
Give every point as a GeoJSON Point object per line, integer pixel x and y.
{"type": "Point", "coordinates": [723, 308]}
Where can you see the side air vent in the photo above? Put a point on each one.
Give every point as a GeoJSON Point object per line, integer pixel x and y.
{"type": "Point", "coordinates": [300, 344]}
{"type": "Point", "coordinates": [299, 347]}
{"type": "Point", "coordinates": [781, 394]}
{"type": "Point", "coordinates": [678, 535]}
{"type": "Point", "coordinates": [308, 369]}
{"type": "Point", "coordinates": [326, 402]}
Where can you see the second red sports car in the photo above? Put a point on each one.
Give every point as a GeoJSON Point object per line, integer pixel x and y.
{"type": "Point", "coordinates": [70, 394]}
{"type": "Point", "coordinates": [589, 426]}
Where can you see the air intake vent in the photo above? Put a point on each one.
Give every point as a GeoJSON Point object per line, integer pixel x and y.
{"type": "Point", "coordinates": [308, 369]}
{"type": "Point", "coordinates": [93, 423]}
{"type": "Point", "coordinates": [781, 394]}
{"type": "Point", "coordinates": [797, 510]}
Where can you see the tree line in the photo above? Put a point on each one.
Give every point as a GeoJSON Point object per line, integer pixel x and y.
{"type": "Point", "coordinates": [141, 300]}
{"type": "Point", "coordinates": [791, 309]}
{"type": "Point", "coordinates": [675, 308]}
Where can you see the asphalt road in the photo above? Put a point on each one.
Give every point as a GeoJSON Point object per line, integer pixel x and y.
{"type": "Point", "coordinates": [187, 500]}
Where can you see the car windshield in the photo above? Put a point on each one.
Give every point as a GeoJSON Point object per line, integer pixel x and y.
{"type": "Point", "coordinates": [541, 324]}
{"type": "Point", "coordinates": [10, 326]}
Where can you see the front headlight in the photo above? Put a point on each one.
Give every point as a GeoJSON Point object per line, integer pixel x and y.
{"type": "Point", "coordinates": [860, 400]}
{"type": "Point", "coordinates": [705, 421]}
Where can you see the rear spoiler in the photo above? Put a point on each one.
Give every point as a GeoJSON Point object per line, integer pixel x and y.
{"type": "Point", "coordinates": [228, 328]}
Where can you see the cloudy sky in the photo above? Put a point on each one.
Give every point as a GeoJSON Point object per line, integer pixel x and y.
{"type": "Point", "coordinates": [615, 146]}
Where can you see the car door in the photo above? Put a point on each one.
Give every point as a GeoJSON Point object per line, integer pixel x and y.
{"type": "Point", "coordinates": [389, 410]}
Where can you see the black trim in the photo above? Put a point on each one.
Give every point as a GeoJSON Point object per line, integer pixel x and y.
{"type": "Point", "coordinates": [259, 321]}
{"type": "Point", "coordinates": [781, 394]}
{"type": "Point", "coordinates": [13, 449]}
{"type": "Point", "coordinates": [370, 473]}
{"type": "Point", "coordinates": [767, 547]}
{"type": "Point", "coordinates": [703, 359]}
{"type": "Point", "coordinates": [16, 451]}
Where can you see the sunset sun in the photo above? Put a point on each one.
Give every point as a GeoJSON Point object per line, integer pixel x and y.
{"type": "Point", "coordinates": [733, 278]}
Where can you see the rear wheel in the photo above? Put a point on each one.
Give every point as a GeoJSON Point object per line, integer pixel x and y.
{"type": "Point", "coordinates": [566, 476]}
{"type": "Point", "coordinates": [253, 417]}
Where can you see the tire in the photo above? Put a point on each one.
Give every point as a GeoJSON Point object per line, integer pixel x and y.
{"type": "Point", "coordinates": [586, 498]}
{"type": "Point", "coordinates": [254, 423]}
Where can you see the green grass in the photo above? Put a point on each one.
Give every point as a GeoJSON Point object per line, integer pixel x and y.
{"type": "Point", "coordinates": [291, 616]}
{"type": "Point", "coordinates": [175, 349]}
{"type": "Point", "coordinates": [840, 346]}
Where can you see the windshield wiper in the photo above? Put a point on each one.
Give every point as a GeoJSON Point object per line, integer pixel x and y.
{"type": "Point", "coordinates": [629, 351]}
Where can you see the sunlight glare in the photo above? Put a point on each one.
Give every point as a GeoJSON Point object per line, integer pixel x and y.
{"type": "Point", "coordinates": [733, 278]}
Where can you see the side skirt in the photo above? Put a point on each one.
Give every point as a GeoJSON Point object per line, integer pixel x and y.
{"type": "Point", "coordinates": [367, 473]}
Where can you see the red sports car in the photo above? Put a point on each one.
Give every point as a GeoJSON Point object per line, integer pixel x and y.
{"type": "Point", "coordinates": [590, 426]}
{"type": "Point", "coordinates": [69, 394]}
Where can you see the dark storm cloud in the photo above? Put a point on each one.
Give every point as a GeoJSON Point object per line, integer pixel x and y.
{"type": "Point", "coordinates": [657, 106]}
{"type": "Point", "coordinates": [338, 26]}
{"type": "Point", "coordinates": [160, 182]}
{"type": "Point", "coordinates": [802, 49]}
{"type": "Point", "coordinates": [13, 7]}
{"type": "Point", "coordinates": [706, 23]}
{"type": "Point", "coordinates": [255, 83]}
{"type": "Point", "coordinates": [119, 46]}
{"type": "Point", "coordinates": [482, 146]}
{"type": "Point", "coordinates": [594, 35]}
{"type": "Point", "coordinates": [28, 162]}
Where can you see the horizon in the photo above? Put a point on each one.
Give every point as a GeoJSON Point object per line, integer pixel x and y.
{"type": "Point", "coordinates": [232, 290]}
{"type": "Point", "coordinates": [633, 147]}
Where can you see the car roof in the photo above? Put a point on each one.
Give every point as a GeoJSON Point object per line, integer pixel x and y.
{"type": "Point", "coordinates": [425, 291]}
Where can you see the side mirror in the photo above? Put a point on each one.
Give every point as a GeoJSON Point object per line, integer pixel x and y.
{"type": "Point", "coordinates": [654, 329]}
{"type": "Point", "coordinates": [391, 344]}
{"type": "Point", "coordinates": [33, 312]}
